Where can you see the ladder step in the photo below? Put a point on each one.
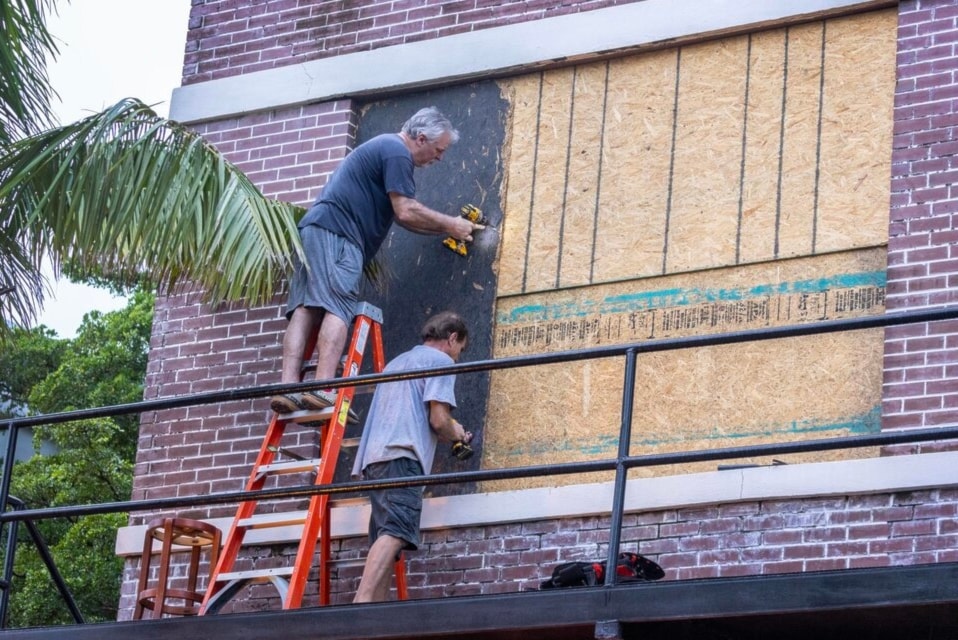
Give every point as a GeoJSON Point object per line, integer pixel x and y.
{"type": "Point", "coordinates": [271, 520]}
{"type": "Point", "coordinates": [350, 442]}
{"type": "Point", "coordinates": [348, 562]}
{"type": "Point", "coordinates": [313, 416]}
{"type": "Point", "coordinates": [289, 466]}
{"type": "Point", "coordinates": [292, 518]}
{"type": "Point", "coordinates": [308, 415]}
{"type": "Point", "coordinates": [357, 501]}
{"type": "Point", "coordinates": [255, 574]}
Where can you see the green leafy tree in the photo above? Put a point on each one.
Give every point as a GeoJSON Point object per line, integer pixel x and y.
{"type": "Point", "coordinates": [123, 194]}
{"type": "Point", "coordinates": [28, 357]}
{"type": "Point", "coordinates": [93, 462]}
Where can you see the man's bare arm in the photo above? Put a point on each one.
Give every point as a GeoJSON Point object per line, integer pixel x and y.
{"type": "Point", "coordinates": [417, 217]}
{"type": "Point", "coordinates": [445, 426]}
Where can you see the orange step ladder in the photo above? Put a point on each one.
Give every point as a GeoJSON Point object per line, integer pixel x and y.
{"type": "Point", "coordinates": [290, 582]}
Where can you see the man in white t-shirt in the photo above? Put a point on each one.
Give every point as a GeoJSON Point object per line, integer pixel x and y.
{"type": "Point", "coordinates": [406, 420]}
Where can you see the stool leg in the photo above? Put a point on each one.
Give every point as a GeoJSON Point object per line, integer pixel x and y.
{"type": "Point", "coordinates": [164, 569]}
{"type": "Point", "coordinates": [194, 569]}
{"type": "Point", "coordinates": [144, 574]}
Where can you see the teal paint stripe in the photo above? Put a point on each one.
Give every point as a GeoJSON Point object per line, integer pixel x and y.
{"type": "Point", "coordinates": [677, 297]}
{"type": "Point", "coordinates": [598, 445]}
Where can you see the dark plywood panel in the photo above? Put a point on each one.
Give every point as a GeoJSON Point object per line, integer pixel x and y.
{"type": "Point", "coordinates": [424, 277]}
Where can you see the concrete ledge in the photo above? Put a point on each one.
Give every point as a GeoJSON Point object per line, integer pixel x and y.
{"type": "Point", "coordinates": [872, 475]}
{"type": "Point", "coordinates": [495, 51]}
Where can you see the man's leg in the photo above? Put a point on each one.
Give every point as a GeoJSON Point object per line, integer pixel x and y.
{"type": "Point", "coordinates": [332, 341]}
{"type": "Point", "coordinates": [301, 325]}
{"type": "Point", "coordinates": [378, 572]}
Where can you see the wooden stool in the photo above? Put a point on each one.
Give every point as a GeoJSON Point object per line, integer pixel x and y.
{"type": "Point", "coordinates": [177, 535]}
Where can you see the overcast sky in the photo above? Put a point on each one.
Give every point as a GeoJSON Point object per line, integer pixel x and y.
{"type": "Point", "coordinates": [109, 50]}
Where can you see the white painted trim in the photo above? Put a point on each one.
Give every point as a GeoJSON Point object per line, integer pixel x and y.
{"type": "Point", "coordinates": [493, 51]}
{"type": "Point", "coordinates": [872, 475]}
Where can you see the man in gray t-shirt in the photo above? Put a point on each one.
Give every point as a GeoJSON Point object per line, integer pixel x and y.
{"type": "Point", "coordinates": [406, 420]}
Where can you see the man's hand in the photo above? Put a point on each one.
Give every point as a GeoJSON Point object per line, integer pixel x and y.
{"type": "Point", "coordinates": [462, 229]}
{"type": "Point", "coordinates": [460, 433]}
{"type": "Point", "coordinates": [461, 448]}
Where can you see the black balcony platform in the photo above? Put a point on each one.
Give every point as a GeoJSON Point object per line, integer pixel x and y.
{"type": "Point", "coordinates": [893, 603]}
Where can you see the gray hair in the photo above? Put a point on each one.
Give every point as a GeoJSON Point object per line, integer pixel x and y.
{"type": "Point", "coordinates": [430, 122]}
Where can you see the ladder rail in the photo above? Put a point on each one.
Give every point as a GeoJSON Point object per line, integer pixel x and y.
{"type": "Point", "coordinates": [291, 581]}
{"type": "Point", "coordinates": [245, 510]}
{"type": "Point", "coordinates": [317, 525]}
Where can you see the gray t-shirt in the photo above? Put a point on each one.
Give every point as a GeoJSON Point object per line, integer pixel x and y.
{"type": "Point", "coordinates": [355, 202]}
{"type": "Point", "coordinates": [397, 425]}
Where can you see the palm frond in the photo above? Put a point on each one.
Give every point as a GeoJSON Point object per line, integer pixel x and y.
{"type": "Point", "coordinates": [25, 90]}
{"type": "Point", "coordinates": [128, 194]}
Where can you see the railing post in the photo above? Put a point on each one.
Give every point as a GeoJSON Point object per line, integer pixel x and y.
{"type": "Point", "coordinates": [8, 461]}
{"type": "Point", "coordinates": [621, 472]}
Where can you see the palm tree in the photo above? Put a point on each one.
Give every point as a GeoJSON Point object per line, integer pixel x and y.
{"type": "Point", "coordinates": [123, 194]}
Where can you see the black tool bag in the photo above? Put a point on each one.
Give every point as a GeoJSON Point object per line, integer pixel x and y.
{"type": "Point", "coordinates": [631, 567]}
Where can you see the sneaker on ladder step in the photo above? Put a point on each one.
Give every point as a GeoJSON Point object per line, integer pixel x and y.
{"type": "Point", "coordinates": [319, 399]}
{"type": "Point", "coordinates": [322, 398]}
{"type": "Point", "coordinates": [286, 403]}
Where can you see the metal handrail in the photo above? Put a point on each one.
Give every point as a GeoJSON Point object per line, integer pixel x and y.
{"type": "Point", "coordinates": [590, 353]}
{"type": "Point", "coordinates": [620, 464]}
{"type": "Point", "coordinates": [45, 555]}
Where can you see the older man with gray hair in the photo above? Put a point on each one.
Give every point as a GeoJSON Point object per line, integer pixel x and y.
{"type": "Point", "coordinates": [343, 230]}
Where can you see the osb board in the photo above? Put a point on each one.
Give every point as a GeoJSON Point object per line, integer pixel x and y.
{"type": "Point", "coordinates": [751, 148]}
{"type": "Point", "coordinates": [688, 399]}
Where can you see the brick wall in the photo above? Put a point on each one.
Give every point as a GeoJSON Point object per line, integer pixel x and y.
{"type": "Point", "coordinates": [289, 153]}
{"type": "Point", "coordinates": [749, 538]}
{"type": "Point", "coordinates": [196, 348]}
{"type": "Point", "coordinates": [228, 38]}
{"type": "Point", "coordinates": [921, 361]}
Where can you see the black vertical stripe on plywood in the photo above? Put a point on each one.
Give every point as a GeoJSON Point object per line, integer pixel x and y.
{"type": "Point", "coordinates": [668, 197]}
{"type": "Point", "coordinates": [741, 172]}
{"type": "Point", "coordinates": [781, 148]}
{"type": "Point", "coordinates": [818, 141]}
{"type": "Point", "coordinates": [598, 175]}
{"type": "Point", "coordinates": [426, 277]}
{"type": "Point", "coordinates": [565, 181]}
{"type": "Point", "coordinates": [532, 187]}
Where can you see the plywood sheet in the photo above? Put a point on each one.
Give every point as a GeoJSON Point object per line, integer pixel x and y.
{"type": "Point", "coordinates": [552, 147]}
{"type": "Point", "coordinates": [703, 215]}
{"type": "Point", "coordinates": [519, 161]}
{"type": "Point", "coordinates": [759, 190]}
{"type": "Point", "coordinates": [636, 159]}
{"type": "Point", "coordinates": [584, 157]}
{"type": "Point", "coordinates": [757, 147]}
{"type": "Point", "coordinates": [801, 126]}
{"type": "Point", "coordinates": [738, 183]}
{"type": "Point", "coordinates": [690, 398]}
{"type": "Point", "coordinates": [856, 132]}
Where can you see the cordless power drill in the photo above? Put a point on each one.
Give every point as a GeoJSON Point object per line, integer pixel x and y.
{"type": "Point", "coordinates": [462, 450]}
{"type": "Point", "coordinates": [471, 213]}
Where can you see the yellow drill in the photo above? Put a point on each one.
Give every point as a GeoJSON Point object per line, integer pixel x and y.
{"type": "Point", "coordinates": [471, 213]}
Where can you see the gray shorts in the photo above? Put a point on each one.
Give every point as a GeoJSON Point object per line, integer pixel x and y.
{"type": "Point", "coordinates": [396, 512]}
{"type": "Point", "coordinates": [334, 276]}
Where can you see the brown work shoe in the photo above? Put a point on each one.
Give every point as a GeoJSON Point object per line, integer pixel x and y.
{"type": "Point", "coordinates": [286, 403]}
